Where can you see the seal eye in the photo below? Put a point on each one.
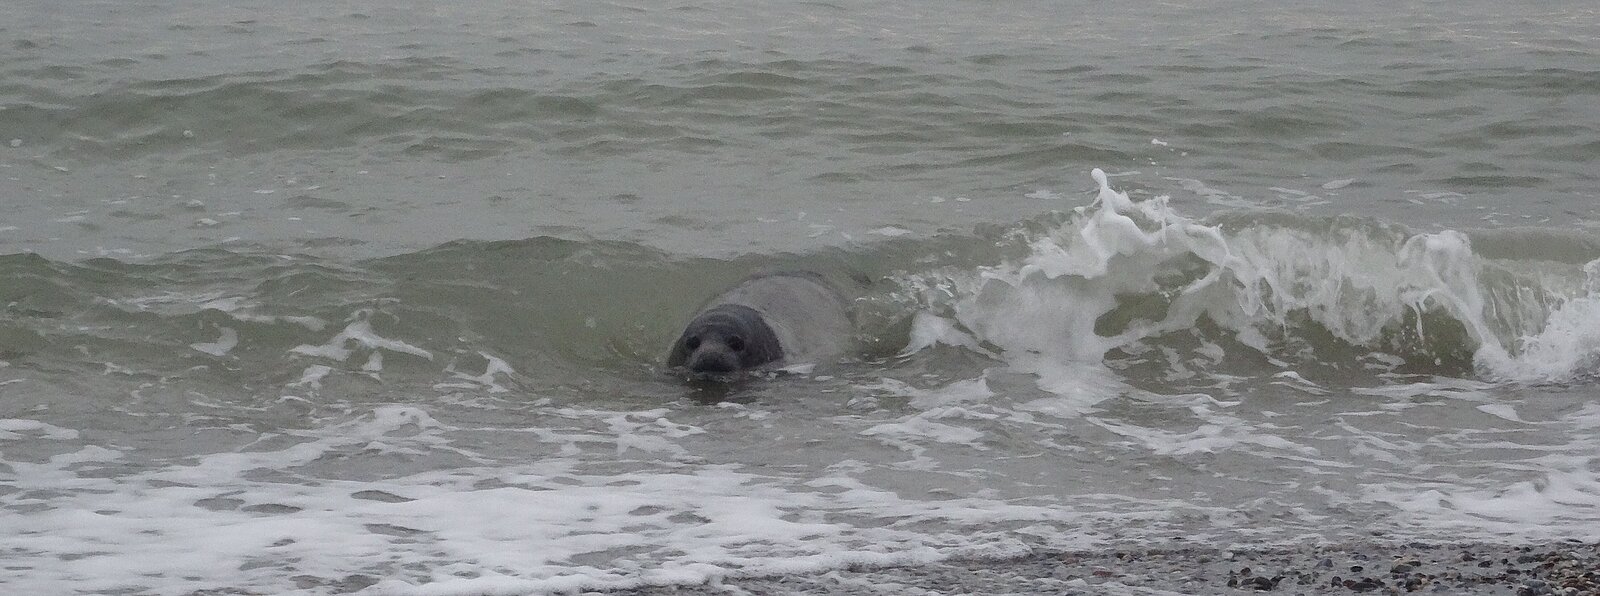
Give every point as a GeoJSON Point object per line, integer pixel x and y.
{"type": "Point", "coordinates": [692, 342]}
{"type": "Point", "coordinates": [736, 343]}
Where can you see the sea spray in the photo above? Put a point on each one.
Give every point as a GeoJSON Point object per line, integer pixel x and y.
{"type": "Point", "coordinates": [1117, 274]}
{"type": "Point", "coordinates": [1566, 348]}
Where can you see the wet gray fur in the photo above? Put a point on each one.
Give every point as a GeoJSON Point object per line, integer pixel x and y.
{"type": "Point", "coordinates": [780, 319]}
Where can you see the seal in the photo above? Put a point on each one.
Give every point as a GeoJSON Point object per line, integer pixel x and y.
{"type": "Point", "coordinates": [766, 321]}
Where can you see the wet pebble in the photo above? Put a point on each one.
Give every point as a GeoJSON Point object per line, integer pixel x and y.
{"type": "Point", "coordinates": [1364, 584]}
{"type": "Point", "coordinates": [1564, 569]}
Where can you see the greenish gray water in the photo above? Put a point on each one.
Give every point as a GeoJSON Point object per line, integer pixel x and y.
{"type": "Point", "coordinates": [702, 127]}
{"type": "Point", "coordinates": [323, 297]}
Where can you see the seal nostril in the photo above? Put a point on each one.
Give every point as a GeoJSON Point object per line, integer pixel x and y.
{"type": "Point", "coordinates": [692, 342]}
{"type": "Point", "coordinates": [736, 343]}
{"type": "Point", "coordinates": [714, 365]}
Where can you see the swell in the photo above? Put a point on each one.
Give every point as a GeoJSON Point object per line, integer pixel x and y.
{"type": "Point", "coordinates": [557, 311]}
{"type": "Point", "coordinates": [1132, 284]}
{"type": "Point", "coordinates": [337, 106]}
{"type": "Point", "coordinates": [895, 117]}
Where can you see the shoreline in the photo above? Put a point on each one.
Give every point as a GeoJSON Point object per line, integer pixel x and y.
{"type": "Point", "coordinates": [1569, 567]}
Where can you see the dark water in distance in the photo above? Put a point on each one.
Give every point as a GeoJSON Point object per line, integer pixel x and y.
{"type": "Point", "coordinates": [331, 297]}
{"type": "Point", "coordinates": [398, 126]}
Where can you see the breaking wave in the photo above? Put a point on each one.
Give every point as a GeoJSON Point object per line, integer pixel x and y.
{"type": "Point", "coordinates": [1120, 277]}
{"type": "Point", "coordinates": [1135, 285]}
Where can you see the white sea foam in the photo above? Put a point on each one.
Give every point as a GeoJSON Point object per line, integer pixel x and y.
{"type": "Point", "coordinates": [958, 392]}
{"type": "Point", "coordinates": [1567, 347]}
{"type": "Point", "coordinates": [542, 525]}
{"type": "Point", "coordinates": [590, 498]}
{"type": "Point", "coordinates": [14, 429]}
{"type": "Point", "coordinates": [1561, 504]}
{"type": "Point", "coordinates": [924, 427]}
{"type": "Point", "coordinates": [359, 331]}
{"type": "Point", "coordinates": [221, 346]}
{"type": "Point", "coordinates": [312, 376]}
{"type": "Point", "coordinates": [1361, 281]}
{"type": "Point", "coordinates": [484, 485]}
{"type": "Point", "coordinates": [493, 366]}
{"type": "Point", "coordinates": [928, 329]}
{"type": "Point", "coordinates": [1214, 196]}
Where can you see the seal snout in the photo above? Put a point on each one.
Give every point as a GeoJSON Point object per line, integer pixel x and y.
{"type": "Point", "coordinates": [725, 339]}
{"type": "Point", "coordinates": [714, 351]}
{"type": "Point", "coordinates": [709, 360]}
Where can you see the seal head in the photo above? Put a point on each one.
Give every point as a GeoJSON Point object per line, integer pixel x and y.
{"type": "Point", "coordinates": [726, 338]}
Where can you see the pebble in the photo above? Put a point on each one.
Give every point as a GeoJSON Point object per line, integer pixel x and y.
{"type": "Point", "coordinates": [1564, 569]}
{"type": "Point", "coordinates": [1259, 583]}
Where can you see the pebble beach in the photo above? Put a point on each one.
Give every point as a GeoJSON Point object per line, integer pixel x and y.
{"type": "Point", "coordinates": [1566, 568]}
